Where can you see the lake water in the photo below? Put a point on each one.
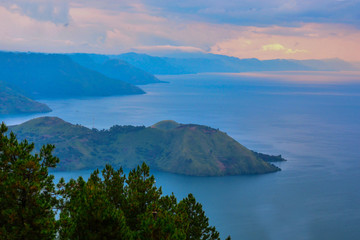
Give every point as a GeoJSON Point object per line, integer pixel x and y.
{"type": "Point", "coordinates": [312, 119]}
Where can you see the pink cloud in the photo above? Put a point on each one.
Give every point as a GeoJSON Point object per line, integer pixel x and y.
{"type": "Point", "coordinates": [308, 41]}
{"type": "Point", "coordinates": [115, 31]}
{"type": "Point", "coordinates": [167, 48]}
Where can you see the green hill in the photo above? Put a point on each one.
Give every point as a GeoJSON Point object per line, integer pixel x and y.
{"type": "Point", "coordinates": [167, 146]}
{"type": "Point", "coordinates": [12, 102]}
{"type": "Point", "coordinates": [39, 75]}
{"type": "Point", "coordinates": [166, 125]}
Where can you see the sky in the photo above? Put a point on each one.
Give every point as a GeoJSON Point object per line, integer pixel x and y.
{"type": "Point", "coordinates": [263, 29]}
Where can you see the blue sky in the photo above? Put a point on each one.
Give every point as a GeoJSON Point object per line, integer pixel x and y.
{"type": "Point", "coordinates": [262, 29]}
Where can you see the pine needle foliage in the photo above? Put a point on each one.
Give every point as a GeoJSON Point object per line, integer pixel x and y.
{"type": "Point", "coordinates": [109, 205]}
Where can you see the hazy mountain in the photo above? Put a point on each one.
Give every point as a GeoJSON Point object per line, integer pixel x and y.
{"type": "Point", "coordinates": [12, 102]}
{"type": "Point", "coordinates": [115, 68]}
{"type": "Point", "coordinates": [154, 65]}
{"type": "Point", "coordinates": [334, 64]}
{"type": "Point", "coordinates": [202, 62]}
{"type": "Point", "coordinates": [57, 76]}
{"type": "Point", "coordinates": [167, 146]}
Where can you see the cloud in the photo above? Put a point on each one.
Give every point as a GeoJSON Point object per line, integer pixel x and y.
{"type": "Point", "coordinates": [263, 12]}
{"type": "Point", "coordinates": [28, 32]}
{"type": "Point", "coordinates": [291, 51]}
{"type": "Point", "coordinates": [44, 10]}
{"type": "Point", "coordinates": [273, 47]}
{"type": "Point", "coordinates": [243, 29]}
{"type": "Point", "coordinates": [167, 49]}
{"type": "Point", "coordinates": [279, 47]}
{"type": "Point", "coordinates": [105, 31]}
{"type": "Point", "coordinates": [308, 41]}
{"type": "Point", "coordinates": [240, 13]}
{"type": "Point", "coordinates": [124, 31]}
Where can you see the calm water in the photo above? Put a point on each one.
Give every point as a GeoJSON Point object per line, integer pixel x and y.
{"type": "Point", "coordinates": [313, 120]}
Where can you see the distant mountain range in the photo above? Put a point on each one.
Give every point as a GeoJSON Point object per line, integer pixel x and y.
{"type": "Point", "coordinates": [187, 63]}
{"type": "Point", "coordinates": [114, 68]}
{"type": "Point", "coordinates": [38, 75]}
{"type": "Point", "coordinates": [166, 146]}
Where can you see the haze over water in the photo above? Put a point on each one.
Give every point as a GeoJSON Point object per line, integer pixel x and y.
{"type": "Point", "coordinates": [314, 125]}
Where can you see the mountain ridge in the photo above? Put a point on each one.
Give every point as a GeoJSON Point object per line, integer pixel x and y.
{"type": "Point", "coordinates": [189, 63]}
{"type": "Point", "coordinates": [115, 68]}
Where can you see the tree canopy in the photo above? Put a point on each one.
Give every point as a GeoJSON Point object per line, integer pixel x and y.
{"type": "Point", "coordinates": [109, 205]}
{"type": "Point", "coordinates": [27, 191]}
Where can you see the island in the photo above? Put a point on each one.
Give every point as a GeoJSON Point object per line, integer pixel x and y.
{"type": "Point", "coordinates": [168, 146]}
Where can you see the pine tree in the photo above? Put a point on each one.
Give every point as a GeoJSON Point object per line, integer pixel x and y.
{"type": "Point", "coordinates": [198, 223]}
{"type": "Point", "coordinates": [88, 213]}
{"type": "Point", "coordinates": [26, 189]}
{"type": "Point", "coordinates": [128, 207]}
{"type": "Point", "coordinates": [114, 206]}
{"type": "Point", "coordinates": [141, 195]}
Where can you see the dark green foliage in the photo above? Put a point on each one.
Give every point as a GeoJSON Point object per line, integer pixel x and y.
{"type": "Point", "coordinates": [87, 211]}
{"type": "Point", "coordinates": [113, 206]}
{"type": "Point", "coordinates": [120, 207]}
{"type": "Point", "coordinates": [141, 194]}
{"type": "Point", "coordinates": [198, 223]}
{"type": "Point", "coordinates": [26, 190]}
{"type": "Point", "coordinates": [269, 158]}
{"type": "Point", "coordinates": [167, 146]}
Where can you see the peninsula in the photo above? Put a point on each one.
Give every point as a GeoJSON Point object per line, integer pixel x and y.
{"type": "Point", "coordinates": [168, 146]}
{"type": "Point", "coordinates": [13, 102]}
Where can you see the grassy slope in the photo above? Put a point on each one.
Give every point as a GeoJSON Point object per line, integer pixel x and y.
{"type": "Point", "coordinates": [166, 125]}
{"type": "Point", "coordinates": [185, 149]}
{"type": "Point", "coordinates": [12, 102]}
{"type": "Point", "coordinates": [200, 150]}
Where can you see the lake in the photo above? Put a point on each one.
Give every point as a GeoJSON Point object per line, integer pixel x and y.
{"type": "Point", "coordinates": [312, 119]}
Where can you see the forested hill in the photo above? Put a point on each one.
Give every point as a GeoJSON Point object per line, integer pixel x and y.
{"type": "Point", "coordinates": [167, 146]}
{"type": "Point", "coordinates": [12, 102]}
{"type": "Point", "coordinates": [38, 75]}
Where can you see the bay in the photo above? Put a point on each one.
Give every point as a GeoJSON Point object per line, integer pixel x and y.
{"type": "Point", "coordinates": [312, 119]}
